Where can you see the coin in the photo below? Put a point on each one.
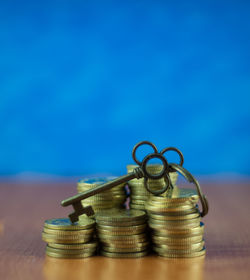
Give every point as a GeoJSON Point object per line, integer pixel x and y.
{"type": "Point", "coordinates": [124, 245]}
{"type": "Point", "coordinates": [137, 207]}
{"type": "Point", "coordinates": [69, 232]}
{"type": "Point", "coordinates": [121, 223]}
{"type": "Point", "coordinates": [51, 238]}
{"type": "Point", "coordinates": [173, 212]}
{"type": "Point", "coordinates": [177, 240]}
{"type": "Point", "coordinates": [120, 215]}
{"type": "Point", "coordinates": [124, 250]}
{"type": "Point", "coordinates": [187, 231]}
{"type": "Point", "coordinates": [124, 255]}
{"type": "Point", "coordinates": [68, 256]}
{"type": "Point", "coordinates": [122, 228]}
{"type": "Point", "coordinates": [182, 195]}
{"type": "Point", "coordinates": [181, 224]}
{"type": "Point", "coordinates": [181, 247]}
{"type": "Point", "coordinates": [74, 246]}
{"type": "Point", "coordinates": [178, 255]}
{"type": "Point", "coordinates": [139, 197]}
{"type": "Point", "coordinates": [70, 252]}
{"type": "Point", "coordinates": [65, 224]}
{"type": "Point", "coordinates": [137, 237]}
{"type": "Point", "coordinates": [138, 202]}
{"type": "Point", "coordinates": [117, 233]}
{"type": "Point", "coordinates": [184, 216]}
{"type": "Point", "coordinates": [162, 209]}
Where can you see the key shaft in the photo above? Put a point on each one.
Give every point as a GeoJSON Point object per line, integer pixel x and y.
{"type": "Point", "coordinates": [136, 173]}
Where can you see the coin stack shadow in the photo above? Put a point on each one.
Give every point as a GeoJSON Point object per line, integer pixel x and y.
{"type": "Point", "coordinates": [175, 224]}
{"type": "Point", "coordinates": [65, 240]}
{"type": "Point", "coordinates": [112, 198]}
{"type": "Point", "coordinates": [122, 233]}
{"type": "Point", "coordinates": [138, 193]}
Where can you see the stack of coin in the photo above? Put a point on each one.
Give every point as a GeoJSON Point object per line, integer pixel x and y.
{"type": "Point", "coordinates": [138, 193]}
{"type": "Point", "coordinates": [66, 240]}
{"type": "Point", "coordinates": [112, 198]}
{"type": "Point", "coordinates": [175, 223]}
{"type": "Point", "coordinates": [122, 233]}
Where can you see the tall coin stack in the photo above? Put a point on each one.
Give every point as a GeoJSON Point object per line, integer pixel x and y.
{"type": "Point", "coordinates": [122, 233]}
{"type": "Point", "coordinates": [175, 223]}
{"type": "Point", "coordinates": [69, 241]}
{"type": "Point", "coordinates": [138, 193]}
{"type": "Point", "coordinates": [113, 198]}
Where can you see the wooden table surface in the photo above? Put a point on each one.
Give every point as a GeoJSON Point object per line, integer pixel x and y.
{"type": "Point", "coordinates": [25, 206]}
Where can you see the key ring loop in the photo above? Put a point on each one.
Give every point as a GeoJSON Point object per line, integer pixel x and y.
{"type": "Point", "coordinates": [178, 152]}
{"type": "Point", "coordinates": [190, 178]}
{"type": "Point", "coordinates": [140, 144]}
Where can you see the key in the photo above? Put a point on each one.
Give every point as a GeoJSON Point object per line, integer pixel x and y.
{"type": "Point", "coordinates": [138, 172]}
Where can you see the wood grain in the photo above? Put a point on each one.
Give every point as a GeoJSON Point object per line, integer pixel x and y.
{"type": "Point", "coordinates": [25, 206]}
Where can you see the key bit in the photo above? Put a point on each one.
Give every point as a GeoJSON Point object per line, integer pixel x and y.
{"type": "Point", "coordinates": [80, 210]}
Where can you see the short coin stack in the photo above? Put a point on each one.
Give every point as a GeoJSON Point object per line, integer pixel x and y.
{"type": "Point", "coordinates": [113, 198]}
{"type": "Point", "coordinates": [177, 231]}
{"type": "Point", "coordinates": [122, 233]}
{"type": "Point", "coordinates": [66, 240]}
{"type": "Point", "coordinates": [138, 193]}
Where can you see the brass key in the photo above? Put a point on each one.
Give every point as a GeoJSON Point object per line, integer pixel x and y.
{"type": "Point", "coordinates": [138, 172]}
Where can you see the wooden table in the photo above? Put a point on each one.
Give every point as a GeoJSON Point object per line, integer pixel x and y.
{"type": "Point", "coordinates": [25, 206]}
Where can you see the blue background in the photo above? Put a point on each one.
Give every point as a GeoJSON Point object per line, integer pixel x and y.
{"type": "Point", "coordinates": [81, 82]}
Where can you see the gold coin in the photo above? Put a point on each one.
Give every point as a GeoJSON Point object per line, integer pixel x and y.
{"type": "Point", "coordinates": [179, 255]}
{"type": "Point", "coordinates": [120, 215]}
{"type": "Point", "coordinates": [137, 207]}
{"type": "Point", "coordinates": [174, 225]}
{"type": "Point", "coordinates": [125, 245]}
{"type": "Point", "coordinates": [138, 193]}
{"type": "Point", "coordinates": [121, 224]}
{"type": "Point", "coordinates": [65, 224]}
{"type": "Point", "coordinates": [163, 249]}
{"type": "Point", "coordinates": [173, 211]}
{"type": "Point", "coordinates": [136, 237]}
{"type": "Point", "coordinates": [171, 208]}
{"type": "Point", "coordinates": [121, 228]}
{"type": "Point", "coordinates": [70, 252]}
{"type": "Point", "coordinates": [83, 246]}
{"type": "Point", "coordinates": [118, 196]}
{"type": "Point", "coordinates": [177, 240]}
{"type": "Point", "coordinates": [118, 233]}
{"type": "Point", "coordinates": [68, 256]}
{"type": "Point", "coordinates": [177, 247]}
{"type": "Point", "coordinates": [139, 197]}
{"type": "Point", "coordinates": [124, 250]}
{"type": "Point", "coordinates": [138, 202]}
{"type": "Point", "coordinates": [51, 238]}
{"type": "Point", "coordinates": [170, 203]}
{"type": "Point", "coordinates": [185, 216]}
{"type": "Point", "coordinates": [186, 231]}
{"type": "Point", "coordinates": [180, 195]}
{"type": "Point", "coordinates": [120, 242]}
{"type": "Point", "coordinates": [124, 255]}
{"type": "Point", "coordinates": [69, 232]}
